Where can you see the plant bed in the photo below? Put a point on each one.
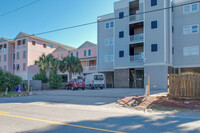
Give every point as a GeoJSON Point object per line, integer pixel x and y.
{"type": "Point", "coordinates": [160, 103]}
{"type": "Point", "coordinates": [14, 94]}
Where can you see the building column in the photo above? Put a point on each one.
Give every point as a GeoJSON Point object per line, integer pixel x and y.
{"type": "Point", "coordinates": [179, 70]}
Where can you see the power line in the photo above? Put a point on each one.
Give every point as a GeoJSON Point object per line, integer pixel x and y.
{"type": "Point", "coordinates": [90, 23]}
{"type": "Point", "coordinates": [19, 8]}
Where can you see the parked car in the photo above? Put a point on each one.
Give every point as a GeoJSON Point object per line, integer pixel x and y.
{"type": "Point", "coordinates": [76, 84]}
{"type": "Point", "coordinates": [96, 80]}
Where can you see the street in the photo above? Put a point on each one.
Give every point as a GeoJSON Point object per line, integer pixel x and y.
{"type": "Point", "coordinates": [89, 111]}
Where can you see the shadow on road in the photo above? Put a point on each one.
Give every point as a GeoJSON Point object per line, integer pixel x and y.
{"type": "Point", "coordinates": [130, 124]}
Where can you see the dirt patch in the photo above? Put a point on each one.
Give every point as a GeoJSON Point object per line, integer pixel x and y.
{"type": "Point", "coordinates": [158, 103]}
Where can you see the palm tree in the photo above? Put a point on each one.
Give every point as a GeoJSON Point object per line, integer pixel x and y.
{"type": "Point", "coordinates": [72, 65]}
{"type": "Point", "coordinates": [46, 63]}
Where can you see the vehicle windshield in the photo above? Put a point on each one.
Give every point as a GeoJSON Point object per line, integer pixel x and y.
{"type": "Point", "coordinates": [79, 81]}
{"type": "Point", "coordinates": [98, 77]}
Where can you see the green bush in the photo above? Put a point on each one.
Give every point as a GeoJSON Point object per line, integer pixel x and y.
{"type": "Point", "coordinates": [55, 80]}
{"type": "Point", "coordinates": [41, 76]}
{"type": "Point", "coordinates": [8, 80]}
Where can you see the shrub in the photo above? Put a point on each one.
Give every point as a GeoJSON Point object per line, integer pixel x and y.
{"type": "Point", "coordinates": [8, 80]}
{"type": "Point", "coordinates": [41, 76]}
{"type": "Point", "coordinates": [55, 80]}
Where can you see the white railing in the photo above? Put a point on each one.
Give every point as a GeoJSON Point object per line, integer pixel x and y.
{"type": "Point", "coordinates": [88, 69]}
{"type": "Point", "coordinates": [23, 46]}
{"type": "Point", "coordinates": [4, 50]}
{"type": "Point", "coordinates": [137, 58]}
{"type": "Point", "coordinates": [18, 47]}
{"type": "Point", "coordinates": [137, 17]}
{"type": "Point", "coordinates": [1, 51]}
{"type": "Point", "coordinates": [137, 38]}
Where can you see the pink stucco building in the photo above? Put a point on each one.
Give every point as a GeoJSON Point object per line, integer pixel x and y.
{"type": "Point", "coordinates": [18, 56]}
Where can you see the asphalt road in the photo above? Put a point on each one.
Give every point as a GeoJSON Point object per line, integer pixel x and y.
{"type": "Point", "coordinates": [89, 111]}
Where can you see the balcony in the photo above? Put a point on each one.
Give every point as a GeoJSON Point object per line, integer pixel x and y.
{"type": "Point", "coordinates": [24, 46]}
{"type": "Point", "coordinates": [137, 38]}
{"type": "Point", "coordinates": [89, 69]}
{"type": "Point", "coordinates": [137, 58]}
{"type": "Point", "coordinates": [136, 18]}
{"type": "Point", "coordinates": [1, 51]}
{"type": "Point", "coordinates": [18, 47]}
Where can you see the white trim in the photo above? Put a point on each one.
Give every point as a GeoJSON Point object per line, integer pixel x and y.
{"type": "Point", "coordinates": [171, 33]}
{"type": "Point", "coordinates": [165, 30]}
{"type": "Point", "coordinates": [157, 64]}
{"type": "Point", "coordinates": [127, 67]}
{"type": "Point", "coordinates": [187, 66]}
{"type": "Point", "coordinates": [106, 70]}
{"type": "Point", "coordinates": [144, 27]}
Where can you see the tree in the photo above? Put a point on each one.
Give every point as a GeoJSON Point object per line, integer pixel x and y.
{"type": "Point", "coordinates": [72, 65]}
{"type": "Point", "coordinates": [45, 63]}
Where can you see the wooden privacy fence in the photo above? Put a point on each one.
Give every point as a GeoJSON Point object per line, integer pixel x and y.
{"type": "Point", "coordinates": [184, 85]}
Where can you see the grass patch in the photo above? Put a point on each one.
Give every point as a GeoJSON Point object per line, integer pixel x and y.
{"type": "Point", "coordinates": [12, 93]}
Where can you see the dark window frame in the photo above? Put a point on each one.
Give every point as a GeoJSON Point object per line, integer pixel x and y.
{"type": "Point", "coordinates": [121, 34]}
{"type": "Point", "coordinates": [121, 54]}
{"type": "Point", "coordinates": [121, 15]}
{"type": "Point", "coordinates": [154, 24]}
{"type": "Point", "coordinates": [154, 2]}
{"type": "Point", "coordinates": [154, 47]}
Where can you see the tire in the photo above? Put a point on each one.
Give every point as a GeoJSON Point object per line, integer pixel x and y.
{"type": "Point", "coordinates": [72, 88]}
{"type": "Point", "coordinates": [101, 88]}
{"type": "Point", "coordinates": [83, 88]}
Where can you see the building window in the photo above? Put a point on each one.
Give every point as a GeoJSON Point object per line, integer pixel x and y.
{"type": "Point", "coordinates": [190, 29]}
{"type": "Point", "coordinates": [121, 34]}
{"type": "Point", "coordinates": [109, 58]}
{"type": "Point", "coordinates": [172, 50]}
{"type": "Point", "coordinates": [72, 54]}
{"type": "Point", "coordinates": [106, 42]}
{"type": "Point", "coordinates": [19, 42]}
{"type": "Point", "coordinates": [24, 41]}
{"type": "Point", "coordinates": [85, 53]}
{"type": "Point", "coordinates": [5, 57]}
{"type": "Point", "coordinates": [121, 53]}
{"type": "Point", "coordinates": [154, 24]}
{"type": "Point", "coordinates": [33, 43]}
{"type": "Point", "coordinates": [154, 47]}
{"type": "Point", "coordinates": [44, 45]}
{"type": "Point", "coordinates": [17, 55]}
{"type": "Point", "coordinates": [121, 15]}
{"type": "Point", "coordinates": [195, 28]}
{"type": "Point", "coordinates": [153, 2]}
{"type": "Point", "coordinates": [4, 68]}
{"type": "Point", "coordinates": [111, 41]}
{"type": "Point", "coordinates": [191, 8]}
{"type": "Point", "coordinates": [24, 66]}
{"type": "Point", "coordinates": [77, 55]}
{"type": "Point", "coordinates": [187, 51]}
{"type": "Point", "coordinates": [111, 24]}
{"type": "Point", "coordinates": [107, 25]}
{"type": "Point", "coordinates": [17, 67]}
{"type": "Point", "coordinates": [24, 54]}
{"type": "Point", "coordinates": [89, 52]}
{"type": "Point", "coordinates": [51, 46]}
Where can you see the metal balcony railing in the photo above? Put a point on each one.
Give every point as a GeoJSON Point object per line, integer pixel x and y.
{"type": "Point", "coordinates": [137, 58]}
{"type": "Point", "coordinates": [137, 17]}
{"type": "Point", "coordinates": [137, 38]}
{"type": "Point", "coordinates": [87, 69]}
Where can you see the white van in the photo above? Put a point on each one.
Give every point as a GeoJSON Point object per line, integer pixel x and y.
{"type": "Point", "coordinates": [95, 80]}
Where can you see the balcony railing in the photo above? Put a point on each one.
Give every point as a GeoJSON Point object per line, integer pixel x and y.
{"type": "Point", "coordinates": [137, 38]}
{"type": "Point", "coordinates": [23, 46]}
{"type": "Point", "coordinates": [1, 51]}
{"type": "Point", "coordinates": [18, 47]}
{"type": "Point", "coordinates": [88, 69]}
{"type": "Point", "coordinates": [137, 17]}
{"type": "Point", "coordinates": [137, 58]}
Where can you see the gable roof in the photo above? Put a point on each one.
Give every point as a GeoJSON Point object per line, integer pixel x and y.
{"type": "Point", "coordinates": [22, 34]}
{"type": "Point", "coordinates": [90, 44]}
{"type": "Point", "coordinates": [5, 39]}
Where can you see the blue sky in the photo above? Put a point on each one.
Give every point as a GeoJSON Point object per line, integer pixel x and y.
{"type": "Point", "coordinates": [53, 14]}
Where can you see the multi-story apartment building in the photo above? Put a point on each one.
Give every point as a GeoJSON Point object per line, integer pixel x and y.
{"type": "Point", "coordinates": [18, 56]}
{"type": "Point", "coordinates": [86, 53]}
{"type": "Point", "coordinates": [149, 37]}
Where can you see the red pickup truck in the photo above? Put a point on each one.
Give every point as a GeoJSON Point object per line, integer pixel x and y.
{"type": "Point", "coordinates": [76, 84]}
